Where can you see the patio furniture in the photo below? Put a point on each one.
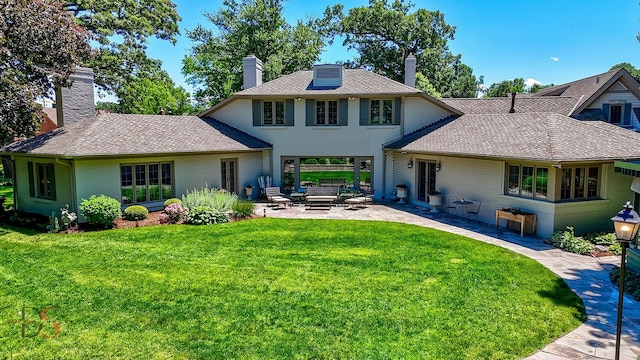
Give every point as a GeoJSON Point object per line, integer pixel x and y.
{"type": "Point", "coordinates": [360, 201]}
{"type": "Point", "coordinates": [321, 195]}
{"type": "Point", "coordinates": [451, 206]}
{"type": "Point", "coordinates": [462, 206]}
{"type": "Point", "coordinates": [275, 197]}
{"type": "Point", "coordinates": [264, 182]}
{"type": "Point", "coordinates": [473, 210]}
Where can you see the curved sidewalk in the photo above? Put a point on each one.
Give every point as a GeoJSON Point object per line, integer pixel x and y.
{"type": "Point", "coordinates": [587, 276]}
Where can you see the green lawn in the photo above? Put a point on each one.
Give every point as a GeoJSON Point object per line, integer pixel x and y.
{"type": "Point", "coordinates": [7, 191]}
{"type": "Point", "coordinates": [277, 289]}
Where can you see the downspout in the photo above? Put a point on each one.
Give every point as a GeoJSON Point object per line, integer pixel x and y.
{"type": "Point", "coordinates": [402, 101]}
{"type": "Point", "coordinates": [384, 172]}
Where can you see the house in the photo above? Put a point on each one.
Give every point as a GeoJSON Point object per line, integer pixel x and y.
{"type": "Point", "coordinates": [357, 129]}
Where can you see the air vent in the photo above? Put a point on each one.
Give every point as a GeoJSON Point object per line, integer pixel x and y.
{"type": "Point", "coordinates": [327, 75]}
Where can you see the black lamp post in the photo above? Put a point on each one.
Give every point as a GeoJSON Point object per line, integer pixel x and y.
{"type": "Point", "coordinates": [626, 224]}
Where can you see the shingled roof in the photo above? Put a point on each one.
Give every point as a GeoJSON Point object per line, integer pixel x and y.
{"type": "Point", "coordinates": [523, 104]}
{"type": "Point", "coordinates": [589, 89]}
{"type": "Point", "coordinates": [123, 134]}
{"type": "Point", "coordinates": [530, 136]}
{"type": "Point", "coordinates": [355, 83]}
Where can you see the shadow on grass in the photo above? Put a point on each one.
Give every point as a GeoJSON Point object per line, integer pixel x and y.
{"type": "Point", "coordinates": [562, 295]}
{"type": "Point", "coordinates": [6, 229]}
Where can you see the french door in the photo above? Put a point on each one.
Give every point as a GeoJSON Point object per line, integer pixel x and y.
{"type": "Point", "coordinates": [229, 174]}
{"type": "Point", "coordinates": [426, 179]}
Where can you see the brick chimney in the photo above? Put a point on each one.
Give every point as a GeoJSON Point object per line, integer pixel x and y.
{"type": "Point", "coordinates": [410, 71]}
{"type": "Point", "coordinates": [76, 103]}
{"type": "Point", "coordinates": [251, 71]}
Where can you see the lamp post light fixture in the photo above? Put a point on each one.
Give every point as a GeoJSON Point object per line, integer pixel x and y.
{"type": "Point", "coordinates": [626, 224]}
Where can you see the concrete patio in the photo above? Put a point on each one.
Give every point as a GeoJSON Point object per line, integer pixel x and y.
{"type": "Point", "coordinates": [587, 276]}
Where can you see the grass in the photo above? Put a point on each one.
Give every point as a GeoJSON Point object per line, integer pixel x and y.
{"type": "Point", "coordinates": [7, 191]}
{"type": "Point", "coordinates": [278, 289]}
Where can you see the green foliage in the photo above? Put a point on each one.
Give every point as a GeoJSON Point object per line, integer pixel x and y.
{"type": "Point", "coordinates": [172, 201]}
{"type": "Point", "coordinates": [630, 68]}
{"type": "Point", "coordinates": [505, 88]}
{"type": "Point", "coordinates": [136, 212]}
{"type": "Point", "coordinates": [311, 161]}
{"type": "Point", "coordinates": [345, 292]}
{"type": "Point", "coordinates": [205, 215]}
{"type": "Point", "coordinates": [151, 93]}
{"type": "Point", "coordinates": [324, 161]}
{"type": "Point", "coordinates": [39, 47]}
{"type": "Point", "coordinates": [243, 209]}
{"type": "Point", "coordinates": [631, 281]}
{"type": "Point", "coordinates": [568, 241]}
{"type": "Point", "coordinates": [100, 210]}
{"type": "Point", "coordinates": [218, 200]}
{"type": "Point", "coordinates": [606, 239]}
{"type": "Point", "coordinates": [384, 33]}
{"type": "Point", "coordinates": [214, 65]}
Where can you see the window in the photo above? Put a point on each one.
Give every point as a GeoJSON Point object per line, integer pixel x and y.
{"type": "Point", "coordinates": [579, 183]}
{"type": "Point", "coordinates": [42, 183]}
{"type": "Point", "coordinates": [327, 112]}
{"type": "Point", "coordinates": [615, 115]}
{"type": "Point", "coordinates": [381, 112]}
{"type": "Point", "coordinates": [527, 181]}
{"type": "Point", "coordinates": [273, 112]}
{"type": "Point", "coordinates": [141, 183]}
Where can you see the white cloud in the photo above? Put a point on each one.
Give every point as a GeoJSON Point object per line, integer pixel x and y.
{"type": "Point", "coordinates": [530, 82]}
{"type": "Point", "coordinates": [555, 58]}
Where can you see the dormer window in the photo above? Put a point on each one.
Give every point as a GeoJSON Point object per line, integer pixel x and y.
{"type": "Point", "coordinates": [328, 75]}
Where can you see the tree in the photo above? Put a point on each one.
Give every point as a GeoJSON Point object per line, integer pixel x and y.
{"type": "Point", "coordinates": [630, 68]}
{"type": "Point", "coordinates": [506, 87]}
{"type": "Point", "coordinates": [385, 34]}
{"type": "Point", "coordinates": [537, 87]}
{"type": "Point", "coordinates": [120, 31]}
{"type": "Point", "coordinates": [258, 27]}
{"type": "Point", "coordinates": [40, 46]}
{"type": "Point", "coordinates": [151, 94]}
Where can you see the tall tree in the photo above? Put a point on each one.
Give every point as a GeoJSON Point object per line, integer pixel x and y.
{"type": "Point", "coordinates": [506, 87]}
{"type": "Point", "coordinates": [120, 30]}
{"type": "Point", "coordinates": [152, 94]}
{"type": "Point", "coordinates": [384, 34]}
{"type": "Point", "coordinates": [630, 68]}
{"type": "Point", "coordinates": [258, 27]}
{"type": "Point", "coordinates": [40, 45]}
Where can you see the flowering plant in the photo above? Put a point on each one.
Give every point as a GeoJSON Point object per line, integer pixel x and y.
{"type": "Point", "coordinates": [174, 213]}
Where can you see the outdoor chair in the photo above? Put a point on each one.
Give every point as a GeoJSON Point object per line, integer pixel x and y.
{"type": "Point", "coordinates": [473, 210]}
{"type": "Point", "coordinates": [360, 201]}
{"type": "Point", "coordinates": [275, 197]}
{"type": "Point", "coordinates": [451, 207]}
{"type": "Point", "coordinates": [264, 182]}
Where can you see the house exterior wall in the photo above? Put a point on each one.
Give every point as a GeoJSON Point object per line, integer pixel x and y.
{"type": "Point", "coordinates": [616, 97]}
{"type": "Point", "coordinates": [353, 140]}
{"type": "Point", "coordinates": [63, 180]}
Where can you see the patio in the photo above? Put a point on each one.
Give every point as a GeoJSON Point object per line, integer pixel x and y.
{"type": "Point", "coordinates": [586, 276]}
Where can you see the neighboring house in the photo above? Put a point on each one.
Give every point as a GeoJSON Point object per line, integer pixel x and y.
{"type": "Point", "coordinates": [372, 131]}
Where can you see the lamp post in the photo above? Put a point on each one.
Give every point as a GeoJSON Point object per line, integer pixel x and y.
{"type": "Point", "coordinates": [626, 224]}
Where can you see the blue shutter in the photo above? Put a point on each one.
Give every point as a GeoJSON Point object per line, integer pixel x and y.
{"type": "Point", "coordinates": [257, 113]}
{"type": "Point", "coordinates": [52, 180]}
{"type": "Point", "coordinates": [626, 120]}
{"type": "Point", "coordinates": [343, 112]}
{"type": "Point", "coordinates": [310, 114]}
{"type": "Point", "coordinates": [397, 109]}
{"type": "Point", "coordinates": [364, 112]}
{"type": "Point", "coordinates": [605, 110]}
{"type": "Point", "coordinates": [32, 187]}
{"type": "Point", "coordinates": [288, 112]}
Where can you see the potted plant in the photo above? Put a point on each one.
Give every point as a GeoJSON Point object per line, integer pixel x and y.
{"type": "Point", "coordinates": [435, 200]}
{"type": "Point", "coordinates": [401, 192]}
{"type": "Point", "coordinates": [249, 191]}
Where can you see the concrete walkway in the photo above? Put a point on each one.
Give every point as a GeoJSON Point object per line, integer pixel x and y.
{"type": "Point", "coordinates": [587, 276]}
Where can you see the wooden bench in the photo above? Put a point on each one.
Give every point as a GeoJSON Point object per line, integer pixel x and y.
{"type": "Point", "coordinates": [321, 195]}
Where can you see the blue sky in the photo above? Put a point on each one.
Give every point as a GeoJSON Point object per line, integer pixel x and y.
{"type": "Point", "coordinates": [550, 41]}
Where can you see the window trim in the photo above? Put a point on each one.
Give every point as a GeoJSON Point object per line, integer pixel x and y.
{"type": "Point", "coordinates": [586, 186]}
{"type": "Point", "coordinates": [521, 176]}
{"type": "Point", "coordinates": [147, 186]}
{"type": "Point", "coordinates": [381, 111]}
{"type": "Point", "coordinates": [274, 108]}
{"type": "Point", "coordinates": [620, 114]}
{"type": "Point", "coordinates": [42, 180]}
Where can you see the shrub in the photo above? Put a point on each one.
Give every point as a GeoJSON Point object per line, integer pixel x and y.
{"type": "Point", "coordinates": [172, 201]}
{"type": "Point", "coordinates": [567, 240]}
{"type": "Point", "coordinates": [136, 212]}
{"type": "Point", "coordinates": [217, 200]}
{"type": "Point", "coordinates": [203, 215]}
{"type": "Point", "coordinates": [606, 239]}
{"type": "Point", "coordinates": [174, 213]}
{"type": "Point", "coordinates": [311, 161]}
{"type": "Point", "coordinates": [631, 281]}
{"type": "Point", "coordinates": [323, 161]}
{"type": "Point", "coordinates": [243, 209]}
{"type": "Point", "coordinates": [100, 210]}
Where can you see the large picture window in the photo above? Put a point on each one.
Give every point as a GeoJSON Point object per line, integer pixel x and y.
{"type": "Point", "coordinates": [273, 112]}
{"type": "Point", "coordinates": [381, 112]}
{"type": "Point", "coordinates": [579, 183]}
{"type": "Point", "coordinates": [142, 183]}
{"type": "Point", "coordinates": [527, 181]}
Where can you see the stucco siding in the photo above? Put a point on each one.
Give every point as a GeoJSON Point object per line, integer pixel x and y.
{"type": "Point", "coordinates": [418, 113]}
{"type": "Point", "coordinates": [63, 180]}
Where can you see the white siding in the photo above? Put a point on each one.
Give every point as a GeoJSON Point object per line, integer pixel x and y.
{"type": "Point", "coordinates": [624, 97]}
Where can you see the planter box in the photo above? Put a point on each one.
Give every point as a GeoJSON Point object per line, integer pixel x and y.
{"type": "Point", "coordinates": [528, 221]}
